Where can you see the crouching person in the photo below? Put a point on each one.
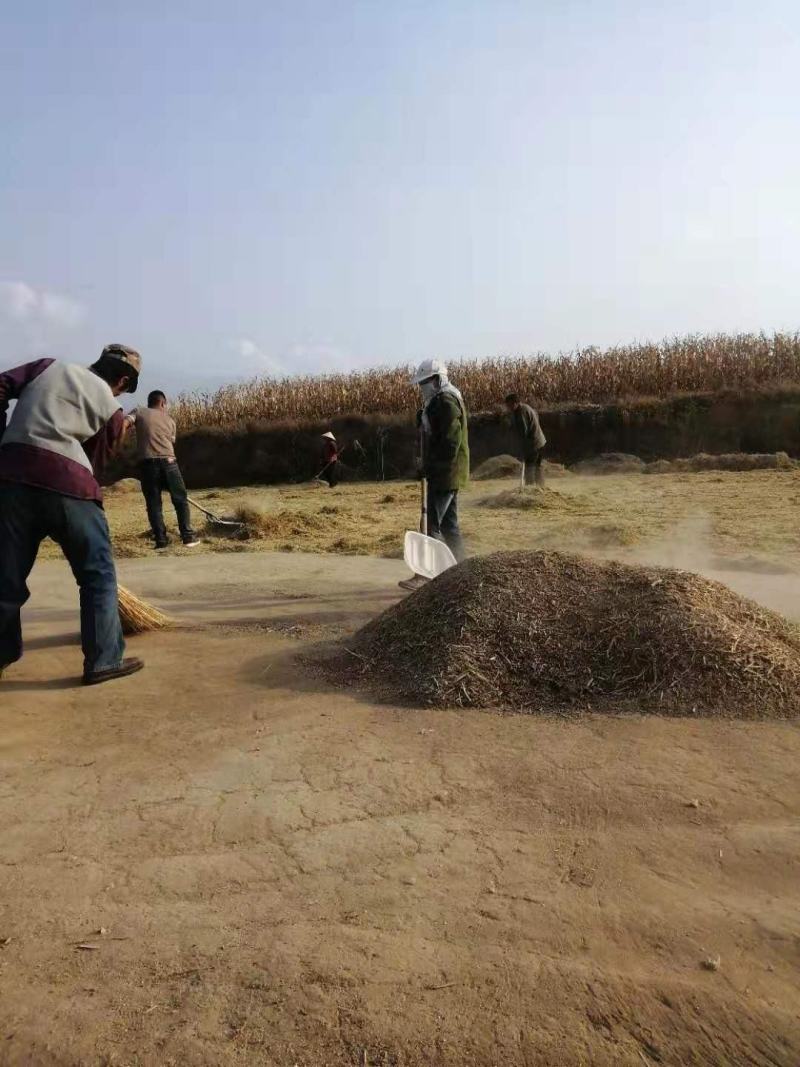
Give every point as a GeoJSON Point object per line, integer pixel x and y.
{"type": "Point", "coordinates": [65, 426]}
{"type": "Point", "coordinates": [445, 451]}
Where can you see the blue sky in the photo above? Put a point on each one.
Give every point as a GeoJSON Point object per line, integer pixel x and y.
{"type": "Point", "coordinates": [300, 186]}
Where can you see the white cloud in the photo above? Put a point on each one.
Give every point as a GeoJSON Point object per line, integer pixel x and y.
{"type": "Point", "coordinates": [62, 310]}
{"type": "Point", "coordinates": [17, 299]}
{"type": "Point", "coordinates": [38, 307]}
{"type": "Point", "coordinates": [252, 360]}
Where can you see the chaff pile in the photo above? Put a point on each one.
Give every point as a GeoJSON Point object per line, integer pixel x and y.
{"type": "Point", "coordinates": [727, 461]}
{"type": "Point", "coordinates": [542, 630]}
{"type": "Point", "coordinates": [530, 498]}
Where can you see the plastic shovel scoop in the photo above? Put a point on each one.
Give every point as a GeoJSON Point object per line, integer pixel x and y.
{"type": "Point", "coordinates": [425, 555]}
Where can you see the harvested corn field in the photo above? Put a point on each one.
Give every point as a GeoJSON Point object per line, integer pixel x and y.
{"type": "Point", "coordinates": [542, 630]}
{"type": "Point", "coordinates": [675, 365]}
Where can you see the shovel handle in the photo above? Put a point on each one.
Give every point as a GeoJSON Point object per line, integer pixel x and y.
{"type": "Point", "coordinates": [205, 511]}
{"type": "Point", "coordinates": [423, 510]}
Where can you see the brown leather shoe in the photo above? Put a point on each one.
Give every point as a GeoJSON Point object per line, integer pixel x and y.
{"type": "Point", "coordinates": [128, 666]}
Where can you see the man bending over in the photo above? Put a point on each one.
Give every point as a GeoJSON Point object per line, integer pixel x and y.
{"type": "Point", "coordinates": [65, 426]}
{"type": "Point", "coordinates": [530, 438]}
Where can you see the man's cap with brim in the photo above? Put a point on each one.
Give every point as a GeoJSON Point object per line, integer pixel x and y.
{"type": "Point", "coordinates": [126, 355]}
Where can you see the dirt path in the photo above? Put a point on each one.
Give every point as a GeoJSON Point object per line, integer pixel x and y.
{"type": "Point", "coordinates": [287, 874]}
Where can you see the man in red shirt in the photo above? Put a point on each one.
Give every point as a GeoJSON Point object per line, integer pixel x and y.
{"type": "Point", "coordinates": [65, 426]}
{"type": "Point", "coordinates": [330, 454]}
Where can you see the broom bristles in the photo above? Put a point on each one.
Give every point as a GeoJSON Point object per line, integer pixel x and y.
{"type": "Point", "coordinates": [138, 617]}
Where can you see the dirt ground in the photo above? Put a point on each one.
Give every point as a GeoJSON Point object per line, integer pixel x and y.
{"type": "Point", "coordinates": [224, 860]}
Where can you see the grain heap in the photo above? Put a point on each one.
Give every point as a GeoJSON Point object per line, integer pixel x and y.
{"type": "Point", "coordinates": [610, 463]}
{"type": "Point", "coordinates": [543, 630]}
{"type": "Point", "coordinates": [505, 466]}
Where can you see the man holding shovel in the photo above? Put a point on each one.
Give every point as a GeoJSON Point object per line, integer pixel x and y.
{"type": "Point", "coordinates": [444, 438]}
{"type": "Point", "coordinates": [65, 426]}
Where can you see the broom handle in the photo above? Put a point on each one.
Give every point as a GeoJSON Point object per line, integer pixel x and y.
{"type": "Point", "coordinates": [522, 476]}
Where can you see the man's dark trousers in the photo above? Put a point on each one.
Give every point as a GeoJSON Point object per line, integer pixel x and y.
{"type": "Point", "coordinates": [534, 472]}
{"type": "Point", "coordinates": [158, 475]}
{"type": "Point", "coordinates": [27, 516]}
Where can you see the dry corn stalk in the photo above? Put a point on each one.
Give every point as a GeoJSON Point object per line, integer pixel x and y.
{"type": "Point", "coordinates": [588, 375]}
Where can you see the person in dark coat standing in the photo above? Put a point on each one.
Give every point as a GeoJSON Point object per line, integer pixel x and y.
{"type": "Point", "coordinates": [445, 451]}
{"type": "Point", "coordinates": [530, 440]}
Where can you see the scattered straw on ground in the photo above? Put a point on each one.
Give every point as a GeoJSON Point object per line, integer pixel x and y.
{"type": "Point", "coordinates": [124, 485]}
{"type": "Point", "coordinates": [542, 630]}
{"type": "Point", "coordinates": [554, 470]}
{"type": "Point", "coordinates": [268, 524]}
{"type": "Point", "coordinates": [532, 497]}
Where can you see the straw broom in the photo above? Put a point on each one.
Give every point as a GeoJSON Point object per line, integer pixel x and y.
{"type": "Point", "coordinates": [138, 617]}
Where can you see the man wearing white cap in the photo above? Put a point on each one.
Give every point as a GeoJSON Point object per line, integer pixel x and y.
{"type": "Point", "coordinates": [445, 451]}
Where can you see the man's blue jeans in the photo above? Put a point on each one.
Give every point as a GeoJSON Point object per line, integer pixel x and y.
{"type": "Point", "coordinates": [27, 516]}
{"type": "Point", "coordinates": [443, 519]}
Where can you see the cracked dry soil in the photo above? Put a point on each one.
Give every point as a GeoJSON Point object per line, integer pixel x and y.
{"type": "Point", "coordinates": [225, 861]}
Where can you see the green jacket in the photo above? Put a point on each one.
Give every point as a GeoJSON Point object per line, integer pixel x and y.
{"type": "Point", "coordinates": [446, 446]}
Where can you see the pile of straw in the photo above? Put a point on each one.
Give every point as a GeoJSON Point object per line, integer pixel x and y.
{"type": "Point", "coordinates": [542, 630]}
{"type": "Point", "coordinates": [610, 463]}
{"type": "Point", "coordinates": [727, 461]}
{"type": "Point", "coordinates": [260, 524]}
{"type": "Point", "coordinates": [532, 497]}
{"type": "Point", "coordinates": [503, 466]}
